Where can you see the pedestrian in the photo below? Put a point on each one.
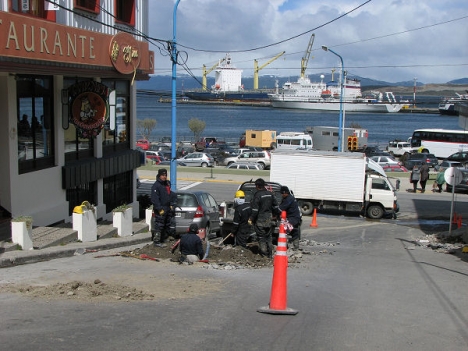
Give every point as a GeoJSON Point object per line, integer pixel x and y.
{"type": "Point", "coordinates": [191, 246]}
{"type": "Point", "coordinates": [241, 229]}
{"type": "Point", "coordinates": [164, 201]}
{"type": "Point", "coordinates": [293, 215]}
{"type": "Point", "coordinates": [440, 180]}
{"type": "Point", "coordinates": [264, 208]}
{"type": "Point", "coordinates": [414, 177]}
{"type": "Point", "coordinates": [424, 176]}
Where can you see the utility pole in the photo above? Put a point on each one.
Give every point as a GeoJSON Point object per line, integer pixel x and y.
{"type": "Point", "coordinates": [414, 92]}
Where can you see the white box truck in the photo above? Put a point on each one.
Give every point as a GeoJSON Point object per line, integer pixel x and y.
{"type": "Point", "coordinates": [342, 181]}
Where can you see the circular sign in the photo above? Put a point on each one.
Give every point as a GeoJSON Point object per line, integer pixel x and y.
{"type": "Point", "coordinates": [453, 176]}
{"type": "Point", "coordinates": [88, 114]}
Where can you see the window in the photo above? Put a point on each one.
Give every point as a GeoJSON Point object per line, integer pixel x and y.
{"type": "Point", "coordinates": [118, 190]}
{"type": "Point", "coordinates": [76, 148]}
{"type": "Point", "coordinates": [88, 5]}
{"type": "Point", "coordinates": [35, 123]}
{"type": "Point", "coordinates": [118, 139]}
{"type": "Point", "coordinates": [37, 8]}
{"type": "Point", "coordinates": [125, 11]}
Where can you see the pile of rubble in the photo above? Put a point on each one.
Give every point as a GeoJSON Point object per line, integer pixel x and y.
{"type": "Point", "coordinates": [444, 242]}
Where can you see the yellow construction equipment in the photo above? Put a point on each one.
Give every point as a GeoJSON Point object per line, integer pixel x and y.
{"type": "Point", "coordinates": [207, 71]}
{"type": "Point", "coordinates": [305, 59]}
{"type": "Point", "coordinates": [256, 68]}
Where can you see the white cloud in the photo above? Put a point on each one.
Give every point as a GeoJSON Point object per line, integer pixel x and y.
{"type": "Point", "coordinates": [435, 54]}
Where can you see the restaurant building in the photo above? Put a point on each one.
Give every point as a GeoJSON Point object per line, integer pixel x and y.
{"type": "Point", "coordinates": [68, 105]}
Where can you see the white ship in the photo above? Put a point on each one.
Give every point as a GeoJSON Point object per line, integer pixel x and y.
{"type": "Point", "coordinates": [304, 94]}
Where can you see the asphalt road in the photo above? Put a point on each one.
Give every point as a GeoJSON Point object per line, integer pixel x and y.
{"type": "Point", "coordinates": [366, 287]}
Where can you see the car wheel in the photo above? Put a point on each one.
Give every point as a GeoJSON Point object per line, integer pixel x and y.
{"type": "Point", "coordinates": [204, 164]}
{"type": "Point", "coordinates": [306, 207]}
{"type": "Point", "coordinates": [375, 212]}
{"type": "Point", "coordinates": [261, 165]}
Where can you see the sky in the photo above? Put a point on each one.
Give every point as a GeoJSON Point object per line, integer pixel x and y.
{"type": "Point", "coordinates": [386, 40]}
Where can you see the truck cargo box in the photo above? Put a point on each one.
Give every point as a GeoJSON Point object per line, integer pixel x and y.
{"type": "Point", "coordinates": [321, 175]}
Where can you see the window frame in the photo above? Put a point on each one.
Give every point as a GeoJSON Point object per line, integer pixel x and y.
{"type": "Point", "coordinates": [15, 5]}
{"type": "Point", "coordinates": [93, 6]}
{"type": "Point", "coordinates": [125, 12]}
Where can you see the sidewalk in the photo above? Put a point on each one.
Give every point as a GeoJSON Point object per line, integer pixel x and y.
{"type": "Point", "coordinates": [61, 241]}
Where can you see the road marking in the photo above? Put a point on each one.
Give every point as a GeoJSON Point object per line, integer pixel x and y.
{"type": "Point", "coordinates": [190, 185]}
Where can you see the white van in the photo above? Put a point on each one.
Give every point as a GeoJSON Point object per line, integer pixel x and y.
{"type": "Point", "coordinates": [294, 141]}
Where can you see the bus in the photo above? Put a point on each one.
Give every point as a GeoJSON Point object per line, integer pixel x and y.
{"type": "Point", "coordinates": [293, 141]}
{"type": "Point", "coordinates": [440, 142]}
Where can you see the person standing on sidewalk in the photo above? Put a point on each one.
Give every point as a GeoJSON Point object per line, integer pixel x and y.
{"type": "Point", "coordinates": [293, 215]}
{"type": "Point", "coordinates": [164, 202]}
{"type": "Point", "coordinates": [264, 208]}
{"type": "Point", "coordinates": [414, 177]}
{"type": "Point", "coordinates": [424, 176]}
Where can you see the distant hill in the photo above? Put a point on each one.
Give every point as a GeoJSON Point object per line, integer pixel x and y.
{"type": "Point", "coordinates": [186, 82]}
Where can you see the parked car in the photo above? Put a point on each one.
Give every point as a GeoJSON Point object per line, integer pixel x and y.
{"type": "Point", "coordinates": [419, 159]}
{"type": "Point", "coordinates": [385, 160]}
{"type": "Point", "coordinates": [198, 159]}
{"type": "Point", "coordinates": [159, 147]}
{"type": "Point", "coordinates": [261, 157]}
{"type": "Point", "coordinates": [197, 207]}
{"type": "Point", "coordinates": [155, 156]}
{"type": "Point", "coordinates": [394, 168]}
{"type": "Point", "coordinates": [235, 165]}
{"type": "Point", "coordinates": [461, 157]}
{"type": "Point", "coordinates": [168, 163]}
{"type": "Point", "coordinates": [462, 187]}
{"type": "Point", "coordinates": [447, 164]}
{"type": "Point", "coordinates": [143, 144]}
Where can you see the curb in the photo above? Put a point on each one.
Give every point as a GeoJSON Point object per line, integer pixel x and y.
{"type": "Point", "coordinates": [15, 258]}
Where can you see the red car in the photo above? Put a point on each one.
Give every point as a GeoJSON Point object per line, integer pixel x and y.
{"type": "Point", "coordinates": [394, 168]}
{"type": "Point", "coordinates": [143, 144]}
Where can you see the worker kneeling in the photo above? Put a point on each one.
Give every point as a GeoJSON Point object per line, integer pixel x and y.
{"type": "Point", "coordinates": [191, 246]}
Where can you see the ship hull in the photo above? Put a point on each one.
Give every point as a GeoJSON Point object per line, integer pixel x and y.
{"type": "Point", "coordinates": [335, 106]}
{"type": "Point", "coordinates": [228, 96]}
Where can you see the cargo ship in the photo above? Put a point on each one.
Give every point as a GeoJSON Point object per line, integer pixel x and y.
{"type": "Point", "coordinates": [228, 86]}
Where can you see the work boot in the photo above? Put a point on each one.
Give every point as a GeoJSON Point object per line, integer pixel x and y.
{"type": "Point", "coordinates": [295, 244]}
{"type": "Point", "coordinates": [156, 238]}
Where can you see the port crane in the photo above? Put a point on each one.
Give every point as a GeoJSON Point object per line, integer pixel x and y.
{"type": "Point", "coordinates": [257, 68]}
{"type": "Point", "coordinates": [305, 59]}
{"type": "Point", "coordinates": [207, 71]}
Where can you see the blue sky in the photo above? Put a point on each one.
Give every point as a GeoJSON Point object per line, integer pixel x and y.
{"type": "Point", "coordinates": [390, 40]}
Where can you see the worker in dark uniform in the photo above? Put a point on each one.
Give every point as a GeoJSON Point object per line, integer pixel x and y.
{"type": "Point", "coordinates": [164, 202]}
{"type": "Point", "coordinates": [264, 208]}
{"type": "Point", "coordinates": [293, 215]}
{"type": "Point", "coordinates": [191, 246]}
{"type": "Point", "coordinates": [241, 229]}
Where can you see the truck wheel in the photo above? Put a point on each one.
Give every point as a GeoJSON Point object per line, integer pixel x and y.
{"type": "Point", "coordinates": [375, 212]}
{"type": "Point", "coordinates": [307, 207]}
{"type": "Point", "coordinates": [425, 151]}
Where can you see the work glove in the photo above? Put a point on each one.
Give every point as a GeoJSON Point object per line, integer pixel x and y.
{"type": "Point", "coordinates": [161, 212]}
{"type": "Point", "coordinates": [250, 222]}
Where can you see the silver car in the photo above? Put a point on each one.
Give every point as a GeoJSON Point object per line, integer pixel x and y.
{"type": "Point", "coordinates": [198, 159]}
{"type": "Point", "coordinates": [197, 207]}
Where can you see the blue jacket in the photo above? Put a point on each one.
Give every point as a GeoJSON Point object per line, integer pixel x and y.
{"type": "Point", "coordinates": [293, 214]}
{"type": "Point", "coordinates": [162, 197]}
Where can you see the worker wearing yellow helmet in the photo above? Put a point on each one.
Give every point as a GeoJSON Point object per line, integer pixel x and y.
{"type": "Point", "coordinates": [241, 228]}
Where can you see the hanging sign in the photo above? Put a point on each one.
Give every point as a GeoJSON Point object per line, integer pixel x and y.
{"type": "Point", "coordinates": [88, 107]}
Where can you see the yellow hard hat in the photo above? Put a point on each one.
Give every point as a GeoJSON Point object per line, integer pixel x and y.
{"type": "Point", "coordinates": [239, 193]}
{"type": "Point", "coordinates": [78, 209]}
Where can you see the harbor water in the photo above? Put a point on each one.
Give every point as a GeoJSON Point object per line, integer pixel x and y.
{"type": "Point", "coordinates": [228, 122]}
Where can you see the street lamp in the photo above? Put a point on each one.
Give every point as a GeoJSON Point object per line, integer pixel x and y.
{"type": "Point", "coordinates": [340, 126]}
{"type": "Point", "coordinates": [174, 101]}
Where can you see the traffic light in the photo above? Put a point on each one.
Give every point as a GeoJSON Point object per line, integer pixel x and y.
{"type": "Point", "coordinates": [350, 143]}
{"type": "Point", "coordinates": [354, 143]}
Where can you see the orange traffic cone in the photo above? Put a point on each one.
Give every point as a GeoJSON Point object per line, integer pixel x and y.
{"type": "Point", "coordinates": [279, 290]}
{"type": "Point", "coordinates": [314, 219]}
{"type": "Point", "coordinates": [459, 221]}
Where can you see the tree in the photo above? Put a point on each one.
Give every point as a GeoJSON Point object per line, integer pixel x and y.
{"type": "Point", "coordinates": [197, 126]}
{"type": "Point", "coordinates": [145, 127]}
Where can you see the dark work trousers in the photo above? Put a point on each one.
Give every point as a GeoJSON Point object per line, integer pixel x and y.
{"type": "Point", "coordinates": [265, 245]}
{"type": "Point", "coordinates": [162, 226]}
